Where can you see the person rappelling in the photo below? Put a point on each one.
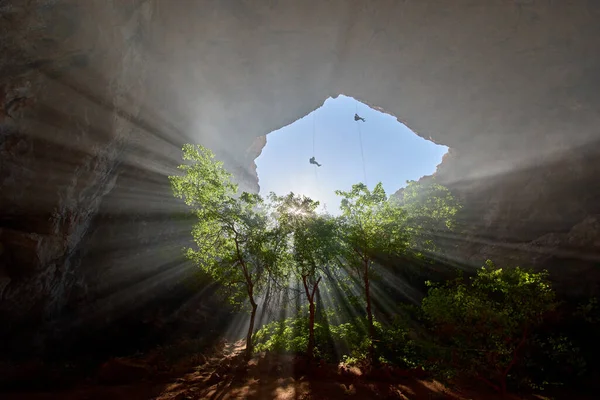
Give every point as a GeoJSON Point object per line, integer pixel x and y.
{"type": "Point", "coordinates": [313, 161]}
{"type": "Point", "coordinates": [358, 118]}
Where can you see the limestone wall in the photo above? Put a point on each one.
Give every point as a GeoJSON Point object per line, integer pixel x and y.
{"type": "Point", "coordinates": [98, 96]}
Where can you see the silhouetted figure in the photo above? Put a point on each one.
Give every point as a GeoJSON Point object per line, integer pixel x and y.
{"type": "Point", "coordinates": [358, 118]}
{"type": "Point", "coordinates": [312, 161]}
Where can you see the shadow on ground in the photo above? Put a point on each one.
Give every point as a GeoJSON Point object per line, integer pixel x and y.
{"type": "Point", "coordinates": [225, 375]}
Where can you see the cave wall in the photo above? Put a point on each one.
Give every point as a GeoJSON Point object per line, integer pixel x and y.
{"type": "Point", "coordinates": [98, 97]}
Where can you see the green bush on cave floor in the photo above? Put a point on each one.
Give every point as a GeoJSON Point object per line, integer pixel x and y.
{"type": "Point", "coordinates": [490, 327]}
{"type": "Point", "coordinates": [348, 341]}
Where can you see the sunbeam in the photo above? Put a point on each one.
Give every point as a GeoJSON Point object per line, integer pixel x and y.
{"type": "Point", "coordinates": [293, 200]}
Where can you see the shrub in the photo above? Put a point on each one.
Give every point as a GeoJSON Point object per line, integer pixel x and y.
{"type": "Point", "coordinates": [549, 361]}
{"type": "Point", "coordinates": [483, 326]}
{"type": "Point", "coordinates": [333, 342]}
{"type": "Point", "coordinates": [348, 341]}
{"type": "Point", "coordinates": [286, 336]}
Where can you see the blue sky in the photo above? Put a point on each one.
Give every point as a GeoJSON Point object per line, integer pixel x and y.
{"type": "Point", "coordinates": [392, 153]}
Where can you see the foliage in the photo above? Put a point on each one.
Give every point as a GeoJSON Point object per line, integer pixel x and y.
{"type": "Point", "coordinates": [555, 357]}
{"type": "Point", "coordinates": [314, 238]}
{"type": "Point", "coordinates": [344, 293]}
{"type": "Point", "coordinates": [589, 311]}
{"type": "Point", "coordinates": [349, 340]}
{"type": "Point", "coordinates": [549, 361]}
{"type": "Point", "coordinates": [205, 184]}
{"type": "Point", "coordinates": [486, 324]}
{"type": "Point", "coordinates": [236, 242]}
{"type": "Point", "coordinates": [397, 347]}
{"type": "Point", "coordinates": [314, 248]}
{"type": "Point", "coordinates": [372, 226]}
{"type": "Point", "coordinates": [431, 210]}
{"type": "Point", "coordinates": [236, 245]}
{"type": "Point", "coordinates": [489, 327]}
{"type": "Point", "coordinates": [290, 335]}
{"type": "Point", "coordinates": [429, 202]}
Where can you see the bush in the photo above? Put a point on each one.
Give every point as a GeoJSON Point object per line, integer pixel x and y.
{"type": "Point", "coordinates": [333, 342]}
{"type": "Point", "coordinates": [396, 346]}
{"type": "Point", "coordinates": [483, 327]}
{"type": "Point", "coordinates": [291, 336]}
{"type": "Point", "coordinates": [492, 327]}
{"type": "Point", "coordinates": [286, 336]}
{"type": "Point", "coordinates": [347, 342]}
{"type": "Point", "coordinates": [549, 361]}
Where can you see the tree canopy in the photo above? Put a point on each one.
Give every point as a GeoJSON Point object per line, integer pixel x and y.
{"type": "Point", "coordinates": [372, 226]}
{"type": "Point", "coordinates": [315, 248]}
{"type": "Point", "coordinates": [236, 242]}
{"type": "Point", "coordinates": [255, 248]}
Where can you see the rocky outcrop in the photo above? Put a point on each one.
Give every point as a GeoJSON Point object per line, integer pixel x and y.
{"type": "Point", "coordinates": [61, 151]}
{"type": "Point", "coordinates": [97, 98]}
{"type": "Point", "coordinates": [543, 216]}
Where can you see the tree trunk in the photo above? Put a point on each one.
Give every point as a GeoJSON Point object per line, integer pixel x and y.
{"type": "Point", "coordinates": [250, 289]}
{"type": "Point", "coordinates": [249, 344]}
{"type": "Point", "coordinates": [310, 294]}
{"type": "Point", "coordinates": [311, 331]}
{"type": "Point", "coordinates": [513, 361]}
{"type": "Point", "coordinates": [369, 313]}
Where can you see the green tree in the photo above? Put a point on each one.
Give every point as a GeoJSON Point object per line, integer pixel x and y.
{"type": "Point", "coordinates": [371, 227]}
{"type": "Point", "coordinates": [431, 210]}
{"type": "Point", "coordinates": [205, 184]}
{"type": "Point", "coordinates": [486, 323]}
{"type": "Point", "coordinates": [237, 243]}
{"type": "Point", "coordinates": [315, 249]}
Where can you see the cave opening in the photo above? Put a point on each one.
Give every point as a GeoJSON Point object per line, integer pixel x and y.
{"type": "Point", "coordinates": [349, 150]}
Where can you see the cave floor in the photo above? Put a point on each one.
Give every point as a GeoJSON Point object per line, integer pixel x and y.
{"type": "Point", "coordinates": [225, 375]}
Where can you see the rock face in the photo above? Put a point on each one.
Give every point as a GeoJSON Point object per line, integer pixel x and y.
{"type": "Point", "coordinates": [97, 98]}
{"type": "Point", "coordinates": [544, 216]}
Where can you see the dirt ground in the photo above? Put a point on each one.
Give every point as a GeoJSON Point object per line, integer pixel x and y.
{"type": "Point", "coordinates": [225, 375]}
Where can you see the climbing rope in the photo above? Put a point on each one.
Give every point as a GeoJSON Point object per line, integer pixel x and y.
{"type": "Point", "coordinates": [362, 154]}
{"type": "Point", "coordinates": [314, 134]}
{"type": "Point", "coordinates": [313, 153]}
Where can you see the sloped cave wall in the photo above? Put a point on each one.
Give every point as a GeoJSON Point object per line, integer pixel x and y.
{"type": "Point", "coordinates": [98, 97]}
{"type": "Point", "coordinates": [542, 216]}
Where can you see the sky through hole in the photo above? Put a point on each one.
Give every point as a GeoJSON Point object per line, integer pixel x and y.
{"type": "Point", "coordinates": [392, 153]}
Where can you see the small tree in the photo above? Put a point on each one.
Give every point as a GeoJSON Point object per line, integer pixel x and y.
{"type": "Point", "coordinates": [205, 184]}
{"type": "Point", "coordinates": [315, 249]}
{"type": "Point", "coordinates": [371, 227]}
{"type": "Point", "coordinates": [237, 243]}
{"type": "Point", "coordinates": [486, 323]}
{"type": "Point", "coordinates": [431, 211]}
